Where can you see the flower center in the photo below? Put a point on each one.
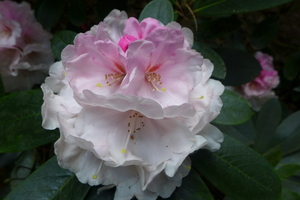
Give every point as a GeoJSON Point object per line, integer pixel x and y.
{"type": "Point", "coordinates": [155, 82]}
{"type": "Point", "coordinates": [110, 79]}
{"type": "Point", "coordinates": [115, 78]}
{"type": "Point", "coordinates": [6, 31]}
{"type": "Point", "coordinates": [136, 122]}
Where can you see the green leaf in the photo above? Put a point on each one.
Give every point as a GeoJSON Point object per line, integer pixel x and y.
{"type": "Point", "coordinates": [206, 52]}
{"type": "Point", "coordinates": [233, 132]}
{"type": "Point", "coordinates": [238, 171]}
{"type": "Point", "coordinates": [60, 40]}
{"type": "Point", "coordinates": [49, 12]}
{"type": "Point", "coordinates": [267, 121]}
{"type": "Point", "coordinates": [292, 158]}
{"type": "Point", "coordinates": [244, 132]}
{"type": "Point", "coordinates": [217, 28]}
{"type": "Point", "coordinates": [2, 89]}
{"type": "Point", "coordinates": [228, 7]}
{"type": "Point", "coordinates": [20, 122]}
{"type": "Point", "coordinates": [287, 135]}
{"type": "Point", "coordinates": [274, 157]}
{"type": "Point", "coordinates": [24, 165]}
{"type": "Point", "coordinates": [247, 129]}
{"type": "Point", "coordinates": [264, 33]}
{"type": "Point", "coordinates": [50, 181]}
{"type": "Point", "coordinates": [7, 158]}
{"type": "Point", "coordinates": [288, 170]}
{"type": "Point", "coordinates": [241, 67]}
{"type": "Point", "coordinates": [292, 183]}
{"type": "Point", "coordinates": [235, 110]}
{"type": "Point", "coordinates": [192, 187]}
{"type": "Point", "coordinates": [161, 10]}
{"type": "Point", "coordinates": [77, 12]}
{"type": "Point", "coordinates": [289, 195]}
{"type": "Point", "coordinates": [291, 68]}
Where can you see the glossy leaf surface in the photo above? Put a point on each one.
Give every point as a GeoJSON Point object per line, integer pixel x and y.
{"type": "Point", "coordinates": [206, 52]}
{"type": "Point", "coordinates": [238, 171]}
{"type": "Point", "coordinates": [228, 7]}
{"type": "Point", "coordinates": [50, 181]}
{"type": "Point", "coordinates": [161, 10]}
{"type": "Point", "coordinates": [60, 40]}
{"type": "Point", "coordinates": [241, 67]}
{"type": "Point", "coordinates": [235, 110]}
{"type": "Point", "coordinates": [20, 122]}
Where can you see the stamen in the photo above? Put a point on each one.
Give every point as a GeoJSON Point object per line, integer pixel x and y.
{"type": "Point", "coordinates": [96, 176]}
{"type": "Point", "coordinates": [155, 82]}
{"type": "Point", "coordinates": [187, 166]}
{"type": "Point", "coordinates": [134, 126]}
{"type": "Point", "coordinates": [111, 79]}
{"type": "Point", "coordinates": [201, 97]}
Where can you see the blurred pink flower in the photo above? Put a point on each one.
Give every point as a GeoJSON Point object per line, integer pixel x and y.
{"type": "Point", "coordinates": [25, 52]}
{"type": "Point", "coordinates": [259, 90]}
{"type": "Point", "coordinates": [132, 100]}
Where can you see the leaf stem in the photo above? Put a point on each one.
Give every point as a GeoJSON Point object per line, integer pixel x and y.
{"type": "Point", "coordinates": [209, 5]}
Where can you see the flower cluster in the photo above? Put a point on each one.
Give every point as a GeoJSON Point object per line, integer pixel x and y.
{"type": "Point", "coordinates": [25, 53]}
{"type": "Point", "coordinates": [132, 100]}
{"type": "Point", "coordinates": [259, 90]}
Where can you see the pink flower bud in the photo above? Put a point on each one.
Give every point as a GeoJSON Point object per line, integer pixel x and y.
{"type": "Point", "coordinates": [125, 41]}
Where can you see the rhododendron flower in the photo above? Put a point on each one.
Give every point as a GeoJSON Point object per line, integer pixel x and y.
{"type": "Point", "coordinates": [132, 100]}
{"type": "Point", "coordinates": [25, 53]}
{"type": "Point", "coordinates": [259, 90]}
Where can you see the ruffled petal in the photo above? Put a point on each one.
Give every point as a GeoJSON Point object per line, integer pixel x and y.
{"type": "Point", "coordinates": [164, 185]}
{"type": "Point", "coordinates": [188, 34]}
{"type": "Point", "coordinates": [56, 81]}
{"type": "Point", "coordinates": [213, 136]}
{"type": "Point", "coordinates": [116, 21]}
{"type": "Point", "coordinates": [166, 42]}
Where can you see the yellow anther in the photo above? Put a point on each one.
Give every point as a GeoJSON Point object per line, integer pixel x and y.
{"type": "Point", "coordinates": [163, 89]}
{"type": "Point", "coordinates": [201, 97]}
{"type": "Point", "coordinates": [123, 150]}
{"type": "Point", "coordinates": [94, 176]}
{"type": "Point", "coordinates": [65, 74]}
{"type": "Point", "coordinates": [98, 85]}
{"type": "Point", "coordinates": [188, 167]}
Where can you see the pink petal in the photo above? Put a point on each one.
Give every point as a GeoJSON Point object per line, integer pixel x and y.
{"type": "Point", "coordinates": [166, 42]}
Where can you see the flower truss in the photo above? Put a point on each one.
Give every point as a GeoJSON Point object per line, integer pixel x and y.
{"type": "Point", "coordinates": [258, 91]}
{"type": "Point", "coordinates": [132, 100]}
{"type": "Point", "coordinates": [25, 53]}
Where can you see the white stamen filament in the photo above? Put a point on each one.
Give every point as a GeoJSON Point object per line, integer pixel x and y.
{"type": "Point", "coordinates": [99, 168]}
{"type": "Point", "coordinates": [154, 80]}
{"type": "Point", "coordinates": [134, 126]}
{"type": "Point", "coordinates": [110, 79]}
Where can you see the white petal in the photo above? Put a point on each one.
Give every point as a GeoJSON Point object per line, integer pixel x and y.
{"type": "Point", "coordinates": [116, 21]}
{"type": "Point", "coordinates": [56, 80]}
{"type": "Point", "coordinates": [213, 136]}
{"type": "Point", "coordinates": [164, 186]}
